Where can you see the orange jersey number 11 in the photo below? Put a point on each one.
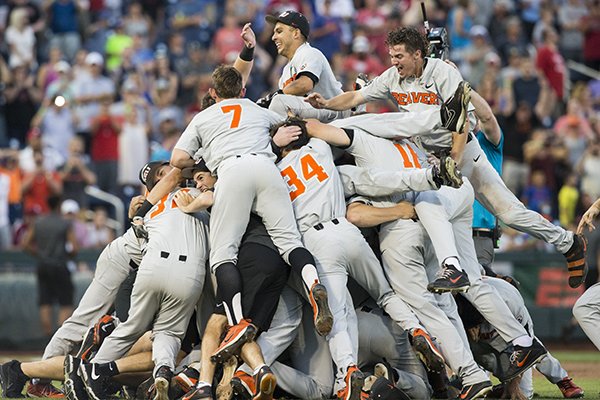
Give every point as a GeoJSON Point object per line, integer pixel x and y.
{"type": "Point", "coordinates": [310, 169]}
{"type": "Point", "coordinates": [237, 113]}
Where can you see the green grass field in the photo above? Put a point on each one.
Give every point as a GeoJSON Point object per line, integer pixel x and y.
{"type": "Point", "coordinates": [582, 365]}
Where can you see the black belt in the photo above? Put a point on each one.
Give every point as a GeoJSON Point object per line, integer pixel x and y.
{"type": "Point", "coordinates": [133, 264]}
{"type": "Point", "coordinates": [469, 137]}
{"type": "Point", "coordinates": [166, 254]}
{"type": "Point", "coordinates": [240, 155]}
{"type": "Point", "coordinates": [320, 226]}
{"type": "Point", "coordinates": [485, 233]}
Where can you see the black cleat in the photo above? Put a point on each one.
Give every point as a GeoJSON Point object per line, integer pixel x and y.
{"type": "Point", "coordinates": [199, 393]}
{"type": "Point", "coordinates": [447, 174]}
{"type": "Point", "coordinates": [74, 387]}
{"type": "Point", "coordinates": [450, 280]}
{"type": "Point", "coordinates": [361, 81]}
{"type": "Point", "coordinates": [95, 336]}
{"type": "Point", "coordinates": [523, 358]}
{"type": "Point", "coordinates": [322, 316]}
{"type": "Point", "coordinates": [425, 347]}
{"type": "Point", "coordinates": [237, 335]}
{"type": "Point", "coordinates": [96, 385]}
{"type": "Point", "coordinates": [266, 382]}
{"type": "Point", "coordinates": [576, 262]}
{"type": "Point", "coordinates": [454, 110]}
{"type": "Point", "coordinates": [13, 379]}
{"type": "Point", "coordinates": [162, 381]}
{"type": "Point", "coordinates": [475, 391]}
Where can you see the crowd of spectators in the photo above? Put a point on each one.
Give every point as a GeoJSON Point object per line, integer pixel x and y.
{"type": "Point", "coordinates": [90, 90]}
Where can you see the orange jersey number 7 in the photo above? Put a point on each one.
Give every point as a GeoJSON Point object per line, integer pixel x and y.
{"type": "Point", "coordinates": [310, 169]}
{"type": "Point", "coordinates": [237, 113]}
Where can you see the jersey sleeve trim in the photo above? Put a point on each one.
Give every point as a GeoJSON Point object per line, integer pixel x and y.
{"type": "Point", "coordinates": [308, 74]}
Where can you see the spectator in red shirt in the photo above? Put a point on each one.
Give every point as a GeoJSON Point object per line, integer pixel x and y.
{"type": "Point", "coordinates": [361, 60]}
{"type": "Point", "coordinates": [39, 185]}
{"type": "Point", "coordinates": [227, 41]}
{"type": "Point", "coordinates": [105, 148]}
{"type": "Point", "coordinates": [590, 25]}
{"type": "Point", "coordinates": [551, 63]}
{"type": "Point", "coordinates": [372, 21]}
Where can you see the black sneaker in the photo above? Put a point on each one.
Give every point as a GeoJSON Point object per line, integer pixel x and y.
{"type": "Point", "coordinates": [74, 387]}
{"type": "Point", "coordinates": [322, 316]}
{"type": "Point", "coordinates": [95, 336]}
{"type": "Point", "coordinates": [475, 391]}
{"type": "Point", "coordinates": [450, 280]}
{"type": "Point", "coordinates": [425, 347]}
{"type": "Point", "coordinates": [198, 393]}
{"type": "Point", "coordinates": [447, 174]}
{"type": "Point", "coordinates": [576, 262]}
{"type": "Point", "coordinates": [96, 385]}
{"type": "Point", "coordinates": [265, 383]}
{"type": "Point", "coordinates": [523, 358]}
{"type": "Point", "coordinates": [162, 381]}
{"type": "Point", "coordinates": [454, 110]}
{"type": "Point", "coordinates": [13, 380]}
{"type": "Point", "coordinates": [145, 388]}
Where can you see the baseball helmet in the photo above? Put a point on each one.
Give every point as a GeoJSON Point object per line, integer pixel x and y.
{"type": "Point", "coordinates": [383, 389]}
{"type": "Point", "coordinates": [148, 173]}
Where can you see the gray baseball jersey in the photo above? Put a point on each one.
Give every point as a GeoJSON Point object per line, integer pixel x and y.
{"type": "Point", "coordinates": [112, 268]}
{"type": "Point", "coordinates": [587, 313]}
{"type": "Point", "coordinates": [168, 284]}
{"type": "Point", "coordinates": [311, 62]}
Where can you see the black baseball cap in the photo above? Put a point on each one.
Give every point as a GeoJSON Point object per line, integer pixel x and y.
{"type": "Point", "coordinates": [148, 172]}
{"type": "Point", "coordinates": [293, 19]}
{"type": "Point", "coordinates": [199, 166]}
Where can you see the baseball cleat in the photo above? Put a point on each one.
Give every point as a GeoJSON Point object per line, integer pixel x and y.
{"type": "Point", "coordinates": [454, 110]}
{"type": "Point", "coordinates": [224, 388]}
{"type": "Point", "coordinates": [426, 349]}
{"type": "Point", "coordinates": [162, 381]}
{"type": "Point", "coordinates": [13, 379]}
{"type": "Point", "coordinates": [354, 379]}
{"type": "Point", "coordinates": [236, 336]}
{"type": "Point", "coordinates": [95, 384]}
{"type": "Point", "coordinates": [95, 336]}
{"type": "Point", "coordinates": [322, 316]}
{"type": "Point", "coordinates": [187, 379]}
{"type": "Point", "coordinates": [74, 387]}
{"type": "Point", "coordinates": [361, 81]}
{"type": "Point", "coordinates": [523, 358]}
{"type": "Point", "coordinates": [475, 391]}
{"type": "Point", "coordinates": [243, 386]}
{"type": "Point", "coordinates": [576, 262]}
{"type": "Point", "coordinates": [265, 382]}
{"type": "Point", "coordinates": [450, 280]}
{"type": "Point", "coordinates": [447, 174]}
{"type": "Point", "coordinates": [199, 393]}
{"type": "Point", "coordinates": [45, 390]}
{"type": "Point", "coordinates": [569, 389]}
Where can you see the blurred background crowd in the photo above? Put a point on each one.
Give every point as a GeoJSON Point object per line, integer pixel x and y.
{"type": "Point", "coordinates": [91, 90]}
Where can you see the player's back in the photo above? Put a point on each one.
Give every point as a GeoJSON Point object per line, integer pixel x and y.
{"type": "Point", "coordinates": [172, 231]}
{"type": "Point", "coordinates": [314, 183]}
{"type": "Point", "coordinates": [229, 128]}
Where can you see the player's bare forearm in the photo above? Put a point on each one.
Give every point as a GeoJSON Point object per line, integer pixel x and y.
{"type": "Point", "coordinates": [165, 186]}
{"type": "Point", "coordinates": [181, 159]}
{"type": "Point", "coordinates": [366, 216]}
{"type": "Point", "coordinates": [299, 87]}
{"type": "Point", "coordinates": [344, 101]}
{"type": "Point", "coordinates": [333, 135]}
{"type": "Point", "coordinates": [484, 112]}
{"type": "Point", "coordinates": [588, 217]}
{"type": "Point", "coordinates": [244, 67]}
{"type": "Point", "coordinates": [189, 204]}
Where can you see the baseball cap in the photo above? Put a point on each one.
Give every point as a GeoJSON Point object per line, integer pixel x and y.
{"type": "Point", "coordinates": [384, 389]}
{"type": "Point", "coordinates": [360, 44]}
{"type": "Point", "coordinates": [69, 206]}
{"type": "Point", "coordinates": [291, 18]}
{"type": "Point", "coordinates": [148, 172]}
{"type": "Point", "coordinates": [94, 58]}
{"type": "Point", "coordinates": [478, 30]}
{"type": "Point", "coordinates": [166, 115]}
{"type": "Point", "coordinates": [62, 66]}
{"type": "Point", "coordinates": [200, 166]}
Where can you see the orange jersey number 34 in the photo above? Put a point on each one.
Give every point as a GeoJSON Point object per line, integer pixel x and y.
{"type": "Point", "coordinates": [310, 169]}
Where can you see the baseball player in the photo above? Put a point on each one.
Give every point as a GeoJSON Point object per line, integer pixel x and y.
{"type": "Point", "coordinates": [234, 135]}
{"type": "Point", "coordinates": [306, 71]}
{"type": "Point", "coordinates": [490, 350]}
{"type": "Point", "coordinates": [340, 250]}
{"type": "Point", "coordinates": [418, 83]}
{"type": "Point", "coordinates": [587, 307]}
{"type": "Point", "coordinates": [167, 288]}
{"type": "Point", "coordinates": [373, 151]}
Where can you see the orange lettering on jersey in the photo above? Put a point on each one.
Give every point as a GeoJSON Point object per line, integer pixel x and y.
{"type": "Point", "coordinates": [237, 113]}
{"type": "Point", "coordinates": [293, 180]}
{"type": "Point", "coordinates": [408, 163]}
{"type": "Point", "coordinates": [310, 169]}
{"type": "Point", "coordinates": [290, 80]}
{"type": "Point", "coordinates": [414, 156]}
{"type": "Point", "coordinates": [161, 207]}
{"type": "Point", "coordinates": [404, 99]}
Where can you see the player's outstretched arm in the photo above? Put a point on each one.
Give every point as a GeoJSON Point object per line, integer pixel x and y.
{"type": "Point", "coordinates": [341, 102]}
{"type": "Point", "coordinates": [333, 135]}
{"type": "Point", "coordinates": [588, 217]}
{"type": "Point", "coordinates": [489, 123]}
{"type": "Point", "coordinates": [367, 216]}
{"type": "Point", "coordinates": [245, 59]}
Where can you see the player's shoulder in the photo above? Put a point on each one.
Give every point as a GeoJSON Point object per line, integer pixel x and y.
{"type": "Point", "coordinates": [307, 52]}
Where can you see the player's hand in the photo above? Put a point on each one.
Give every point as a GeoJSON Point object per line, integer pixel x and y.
{"type": "Point", "coordinates": [135, 204]}
{"type": "Point", "coordinates": [405, 210]}
{"type": "Point", "coordinates": [248, 36]}
{"type": "Point", "coordinates": [138, 228]}
{"type": "Point", "coordinates": [316, 100]}
{"type": "Point", "coordinates": [183, 200]}
{"type": "Point", "coordinates": [286, 135]}
{"type": "Point", "coordinates": [588, 219]}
